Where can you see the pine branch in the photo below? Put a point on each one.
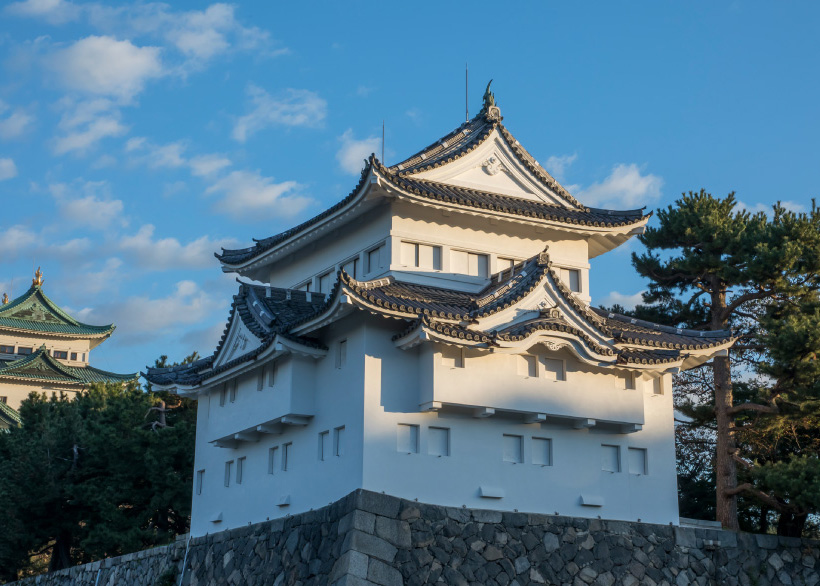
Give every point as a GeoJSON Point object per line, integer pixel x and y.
{"type": "Point", "coordinates": [766, 498]}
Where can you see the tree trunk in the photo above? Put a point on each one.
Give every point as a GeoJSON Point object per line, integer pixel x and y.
{"type": "Point", "coordinates": [60, 553]}
{"type": "Point", "coordinates": [725, 467]}
{"type": "Point", "coordinates": [764, 519]}
{"type": "Point", "coordinates": [791, 524]}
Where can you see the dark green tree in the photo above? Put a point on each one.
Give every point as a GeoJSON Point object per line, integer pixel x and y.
{"type": "Point", "coordinates": [104, 473]}
{"type": "Point", "coordinates": [709, 263]}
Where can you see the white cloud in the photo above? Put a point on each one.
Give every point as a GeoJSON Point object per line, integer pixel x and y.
{"type": "Point", "coordinates": [625, 301]}
{"type": "Point", "coordinates": [105, 66]}
{"type": "Point", "coordinates": [248, 194]}
{"type": "Point", "coordinates": [94, 208]}
{"type": "Point", "coordinates": [15, 124]}
{"type": "Point", "coordinates": [85, 123]}
{"type": "Point", "coordinates": [17, 238]}
{"type": "Point", "coordinates": [168, 156]}
{"type": "Point", "coordinates": [8, 169]}
{"type": "Point", "coordinates": [352, 152]}
{"type": "Point", "coordinates": [363, 91]}
{"type": "Point", "coordinates": [52, 11]}
{"type": "Point", "coordinates": [557, 166]}
{"type": "Point", "coordinates": [206, 165]}
{"type": "Point", "coordinates": [169, 253]}
{"type": "Point", "coordinates": [624, 188]}
{"type": "Point", "coordinates": [141, 315]}
{"type": "Point", "coordinates": [289, 108]}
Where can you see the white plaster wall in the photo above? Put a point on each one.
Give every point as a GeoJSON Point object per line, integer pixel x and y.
{"type": "Point", "coordinates": [476, 460]}
{"type": "Point", "coordinates": [17, 391]}
{"type": "Point", "coordinates": [496, 380]}
{"type": "Point", "coordinates": [309, 482]}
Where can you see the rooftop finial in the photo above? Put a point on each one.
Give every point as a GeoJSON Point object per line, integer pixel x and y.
{"type": "Point", "coordinates": [491, 111]}
{"type": "Point", "coordinates": [5, 299]}
{"type": "Point", "coordinates": [38, 278]}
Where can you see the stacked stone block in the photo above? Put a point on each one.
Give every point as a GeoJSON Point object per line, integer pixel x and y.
{"type": "Point", "coordinates": [369, 539]}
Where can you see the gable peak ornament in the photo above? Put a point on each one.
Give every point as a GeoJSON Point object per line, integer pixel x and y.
{"type": "Point", "coordinates": [5, 299]}
{"type": "Point", "coordinates": [491, 111]}
{"type": "Point", "coordinates": [37, 281]}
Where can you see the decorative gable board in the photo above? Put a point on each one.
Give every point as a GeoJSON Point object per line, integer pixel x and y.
{"type": "Point", "coordinates": [493, 167]}
{"type": "Point", "coordinates": [240, 340]}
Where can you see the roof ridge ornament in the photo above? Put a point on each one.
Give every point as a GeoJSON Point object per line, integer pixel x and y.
{"type": "Point", "coordinates": [490, 110]}
{"type": "Point", "coordinates": [5, 299]}
{"type": "Point", "coordinates": [37, 281]}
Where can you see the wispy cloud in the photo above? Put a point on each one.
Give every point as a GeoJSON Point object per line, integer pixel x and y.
{"type": "Point", "coordinates": [105, 66]}
{"type": "Point", "coordinates": [292, 107]}
{"type": "Point", "coordinates": [250, 195]}
{"type": "Point", "coordinates": [52, 11]}
{"type": "Point", "coordinates": [625, 187]}
{"type": "Point", "coordinates": [88, 204]}
{"type": "Point", "coordinates": [83, 124]}
{"type": "Point", "coordinates": [625, 301]}
{"type": "Point", "coordinates": [8, 169]}
{"type": "Point", "coordinates": [170, 253]}
{"type": "Point", "coordinates": [353, 152]}
{"type": "Point", "coordinates": [557, 166]}
{"type": "Point", "coordinates": [15, 124]}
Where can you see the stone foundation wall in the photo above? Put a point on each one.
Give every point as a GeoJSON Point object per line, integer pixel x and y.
{"type": "Point", "coordinates": [373, 539]}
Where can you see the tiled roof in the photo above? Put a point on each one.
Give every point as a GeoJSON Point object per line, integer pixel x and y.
{"type": "Point", "coordinates": [9, 415]}
{"type": "Point", "coordinates": [34, 311]}
{"type": "Point", "coordinates": [240, 255]}
{"type": "Point", "coordinates": [40, 366]}
{"type": "Point", "coordinates": [454, 145]}
{"type": "Point", "coordinates": [635, 332]}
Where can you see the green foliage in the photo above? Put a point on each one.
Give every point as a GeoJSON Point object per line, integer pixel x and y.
{"type": "Point", "coordinates": [94, 476]}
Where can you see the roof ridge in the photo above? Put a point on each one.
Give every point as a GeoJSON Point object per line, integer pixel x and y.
{"type": "Point", "coordinates": [50, 306]}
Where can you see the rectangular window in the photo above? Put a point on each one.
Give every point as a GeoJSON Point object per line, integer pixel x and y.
{"type": "Point", "coordinates": [657, 386]}
{"type": "Point", "coordinates": [228, 469]}
{"type": "Point", "coordinates": [324, 445]}
{"type": "Point", "coordinates": [61, 354]}
{"type": "Point", "coordinates": [553, 368]}
{"type": "Point", "coordinates": [422, 256]}
{"type": "Point", "coordinates": [374, 260]}
{"type": "Point", "coordinates": [469, 263]}
{"type": "Point", "coordinates": [452, 357]}
{"type": "Point", "coordinates": [287, 454]}
{"type": "Point", "coordinates": [232, 390]}
{"type": "Point", "coordinates": [542, 451]}
{"type": "Point", "coordinates": [341, 354]}
{"type": "Point", "coordinates": [407, 439]}
{"type": "Point", "coordinates": [273, 459]}
{"type": "Point", "coordinates": [223, 392]}
{"type": "Point", "coordinates": [626, 380]}
{"type": "Point", "coordinates": [74, 356]}
{"type": "Point", "coordinates": [326, 282]}
{"type": "Point", "coordinates": [6, 349]}
{"type": "Point", "coordinates": [527, 365]}
{"type": "Point", "coordinates": [438, 441]}
{"type": "Point", "coordinates": [513, 448]}
{"type": "Point", "coordinates": [200, 476]}
{"type": "Point", "coordinates": [271, 373]}
{"type": "Point", "coordinates": [240, 469]}
{"type": "Point", "coordinates": [260, 378]}
{"type": "Point", "coordinates": [572, 279]}
{"type": "Point", "coordinates": [22, 350]}
{"type": "Point", "coordinates": [4, 400]}
{"type": "Point", "coordinates": [83, 358]}
{"type": "Point", "coordinates": [610, 458]}
{"type": "Point", "coordinates": [338, 441]}
{"type": "Point", "coordinates": [351, 267]}
{"type": "Point", "coordinates": [637, 461]}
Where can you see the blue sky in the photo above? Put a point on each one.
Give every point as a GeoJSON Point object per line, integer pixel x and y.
{"type": "Point", "coordinates": [137, 138]}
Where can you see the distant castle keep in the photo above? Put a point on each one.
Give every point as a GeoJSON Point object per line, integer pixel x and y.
{"type": "Point", "coordinates": [430, 336]}
{"type": "Point", "coordinates": [44, 349]}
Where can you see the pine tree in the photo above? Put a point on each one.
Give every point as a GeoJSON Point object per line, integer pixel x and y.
{"type": "Point", "coordinates": [708, 262]}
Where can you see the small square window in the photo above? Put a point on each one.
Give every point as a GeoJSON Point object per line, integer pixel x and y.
{"type": "Point", "coordinates": [452, 357]}
{"type": "Point", "coordinates": [4, 400]}
{"type": "Point", "coordinates": [553, 369]}
{"type": "Point", "coordinates": [408, 439]}
{"type": "Point", "coordinates": [6, 349]}
{"type": "Point", "coordinates": [273, 459]}
{"type": "Point", "coordinates": [23, 350]}
{"type": "Point", "coordinates": [338, 441]}
{"type": "Point", "coordinates": [637, 461]}
{"type": "Point", "coordinates": [74, 356]}
{"type": "Point", "coordinates": [438, 441]}
{"type": "Point", "coordinates": [287, 454]}
{"type": "Point", "coordinates": [527, 365]}
{"type": "Point", "coordinates": [513, 448]}
{"type": "Point", "coordinates": [223, 393]}
{"type": "Point", "coordinates": [542, 451]}
{"type": "Point", "coordinates": [60, 354]}
{"type": "Point", "coordinates": [324, 445]}
{"type": "Point", "coordinates": [572, 279]}
{"type": "Point", "coordinates": [610, 458]}
{"type": "Point", "coordinates": [260, 379]}
{"type": "Point", "coordinates": [228, 470]}
{"type": "Point", "coordinates": [341, 354]}
{"type": "Point", "coordinates": [232, 390]}
{"type": "Point", "coordinates": [240, 469]}
{"type": "Point", "coordinates": [657, 386]}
